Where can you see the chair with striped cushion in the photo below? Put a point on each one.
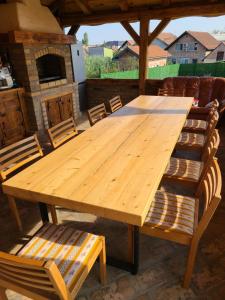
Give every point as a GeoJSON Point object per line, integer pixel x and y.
{"type": "Point", "coordinates": [62, 132]}
{"type": "Point", "coordinates": [191, 171]}
{"type": "Point", "coordinates": [53, 265]}
{"type": "Point", "coordinates": [196, 141]}
{"type": "Point", "coordinates": [200, 126]}
{"type": "Point", "coordinates": [115, 104]}
{"type": "Point", "coordinates": [97, 113]}
{"type": "Point", "coordinates": [175, 217]}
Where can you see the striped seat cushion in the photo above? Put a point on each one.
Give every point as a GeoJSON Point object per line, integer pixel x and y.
{"type": "Point", "coordinates": [69, 248]}
{"type": "Point", "coordinates": [196, 125]}
{"type": "Point", "coordinates": [172, 212]}
{"type": "Point", "coordinates": [184, 169]}
{"type": "Point", "coordinates": [190, 139]}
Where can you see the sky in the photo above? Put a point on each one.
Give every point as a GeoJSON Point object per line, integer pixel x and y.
{"type": "Point", "coordinates": [101, 33]}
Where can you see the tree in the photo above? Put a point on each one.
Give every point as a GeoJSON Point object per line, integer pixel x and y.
{"type": "Point", "coordinates": [85, 39]}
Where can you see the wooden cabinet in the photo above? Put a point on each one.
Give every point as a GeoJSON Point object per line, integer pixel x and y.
{"type": "Point", "coordinates": [59, 108]}
{"type": "Point", "coordinates": [12, 116]}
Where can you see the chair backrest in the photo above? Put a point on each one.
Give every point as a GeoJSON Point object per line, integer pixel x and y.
{"type": "Point", "coordinates": [211, 146]}
{"type": "Point", "coordinates": [62, 132]}
{"type": "Point", "coordinates": [171, 92]}
{"type": "Point", "coordinates": [97, 113]}
{"type": "Point", "coordinates": [214, 118]}
{"type": "Point", "coordinates": [115, 103]}
{"type": "Point", "coordinates": [18, 154]}
{"type": "Point", "coordinates": [36, 279]}
{"type": "Point", "coordinates": [211, 191]}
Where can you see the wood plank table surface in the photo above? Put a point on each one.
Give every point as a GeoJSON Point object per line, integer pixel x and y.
{"type": "Point", "coordinates": [114, 168]}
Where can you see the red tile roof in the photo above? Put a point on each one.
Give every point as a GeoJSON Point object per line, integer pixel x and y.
{"type": "Point", "coordinates": [166, 37]}
{"type": "Point", "coordinates": [153, 51]}
{"type": "Point", "coordinates": [205, 38]}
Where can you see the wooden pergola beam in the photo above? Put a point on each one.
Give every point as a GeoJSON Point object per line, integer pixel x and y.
{"type": "Point", "coordinates": [73, 30]}
{"type": "Point", "coordinates": [124, 5]}
{"type": "Point", "coordinates": [157, 30]}
{"type": "Point", "coordinates": [84, 6]}
{"type": "Point", "coordinates": [143, 54]}
{"type": "Point", "coordinates": [173, 11]}
{"type": "Point", "coordinates": [126, 25]}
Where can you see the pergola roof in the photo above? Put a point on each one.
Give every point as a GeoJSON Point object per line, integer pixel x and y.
{"type": "Point", "coordinates": [93, 12]}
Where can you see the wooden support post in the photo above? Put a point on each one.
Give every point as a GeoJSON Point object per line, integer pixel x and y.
{"type": "Point", "coordinates": [143, 54]}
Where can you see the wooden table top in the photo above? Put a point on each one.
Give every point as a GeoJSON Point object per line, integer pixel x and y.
{"type": "Point", "coordinates": [114, 168]}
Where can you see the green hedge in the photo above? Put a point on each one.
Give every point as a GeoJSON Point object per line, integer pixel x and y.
{"type": "Point", "coordinates": [204, 69]}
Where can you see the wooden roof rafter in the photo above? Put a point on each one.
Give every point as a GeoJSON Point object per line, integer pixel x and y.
{"type": "Point", "coordinates": [172, 11]}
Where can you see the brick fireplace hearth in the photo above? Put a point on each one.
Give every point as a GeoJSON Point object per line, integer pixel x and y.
{"type": "Point", "coordinates": [43, 67]}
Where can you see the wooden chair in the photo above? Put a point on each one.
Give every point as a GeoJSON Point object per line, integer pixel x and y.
{"type": "Point", "coordinates": [53, 265]}
{"type": "Point", "coordinates": [191, 171]}
{"type": "Point", "coordinates": [97, 113]}
{"type": "Point", "coordinates": [175, 217]}
{"type": "Point", "coordinates": [12, 158]}
{"type": "Point", "coordinates": [62, 132]}
{"type": "Point", "coordinates": [171, 92]}
{"type": "Point", "coordinates": [196, 141]}
{"type": "Point", "coordinates": [115, 103]}
{"type": "Point", "coordinates": [200, 126]}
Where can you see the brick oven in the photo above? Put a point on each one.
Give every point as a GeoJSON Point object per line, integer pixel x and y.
{"type": "Point", "coordinates": [45, 71]}
{"type": "Point", "coordinates": [40, 57]}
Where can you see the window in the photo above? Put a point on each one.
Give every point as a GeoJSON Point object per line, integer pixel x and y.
{"type": "Point", "coordinates": [194, 60]}
{"type": "Point", "coordinates": [78, 53]}
{"type": "Point", "coordinates": [184, 60]}
{"type": "Point", "coordinates": [220, 55]}
{"type": "Point", "coordinates": [174, 60]}
{"type": "Point", "coordinates": [181, 47]}
{"type": "Point", "coordinates": [193, 47]}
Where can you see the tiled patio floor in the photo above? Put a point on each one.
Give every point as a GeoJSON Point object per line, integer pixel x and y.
{"type": "Point", "coordinates": [162, 263]}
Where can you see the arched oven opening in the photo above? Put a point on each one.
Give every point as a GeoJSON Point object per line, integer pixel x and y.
{"type": "Point", "coordinates": [50, 67]}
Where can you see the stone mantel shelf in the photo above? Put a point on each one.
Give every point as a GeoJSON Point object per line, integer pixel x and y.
{"type": "Point", "coordinates": [26, 37]}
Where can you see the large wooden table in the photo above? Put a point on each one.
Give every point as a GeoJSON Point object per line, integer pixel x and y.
{"type": "Point", "coordinates": [112, 169]}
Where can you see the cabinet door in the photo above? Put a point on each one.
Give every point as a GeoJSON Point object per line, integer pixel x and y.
{"type": "Point", "coordinates": [66, 106]}
{"type": "Point", "coordinates": [53, 111]}
{"type": "Point", "coordinates": [12, 126]}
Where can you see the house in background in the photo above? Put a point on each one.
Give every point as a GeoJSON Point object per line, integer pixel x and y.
{"type": "Point", "coordinates": [164, 39]}
{"type": "Point", "coordinates": [100, 51]}
{"type": "Point", "coordinates": [218, 54]}
{"type": "Point", "coordinates": [156, 55]}
{"type": "Point", "coordinates": [191, 47]}
{"type": "Point", "coordinates": [113, 44]}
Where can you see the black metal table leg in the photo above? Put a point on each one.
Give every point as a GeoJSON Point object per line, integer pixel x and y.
{"type": "Point", "coordinates": [44, 212]}
{"type": "Point", "coordinates": [136, 247]}
{"type": "Point", "coordinates": [124, 265]}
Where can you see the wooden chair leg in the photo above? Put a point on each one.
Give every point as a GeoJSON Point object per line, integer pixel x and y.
{"type": "Point", "coordinates": [3, 294]}
{"type": "Point", "coordinates": [53, 214]}
{"type": "Point", "coordinates": [190, 263]}
{"type": "Point", "coordinates": [130, 243]}
{"type": "Point", "coordinates": [102, 261]}
{"type": "Point", "coordinates": [15, 212]}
